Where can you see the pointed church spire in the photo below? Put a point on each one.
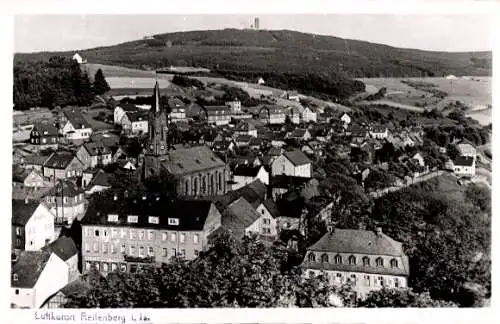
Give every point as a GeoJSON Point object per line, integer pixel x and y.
{"type": "Point", "coordinates": [156, 98]}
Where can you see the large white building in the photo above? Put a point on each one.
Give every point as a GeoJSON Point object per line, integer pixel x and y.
{"type": "Point", "coordinates": [32, 225]}
{"type": "Point", "coordinates": [464, 166]}
{"type": "Point", "coordinates": [369, 260]}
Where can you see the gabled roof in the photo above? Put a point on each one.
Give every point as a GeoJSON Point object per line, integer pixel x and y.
{"type": "Point", "coordinates": [76, 118]}
{"type": "Point", "coordinates": [36, 159]}
{"type": "Point", "coordinates": [298, 133]}
{"type": "Point", "coordinates": [359, 242]}
{"type": "Point", "coordinates": [45, 128]}
{"type": "Point", "coordinates": [244, 138]}
{"type": "Point", "coordinates": [28, 268]}
{"type": "Point", "coordinates": [247, 170]}
{"type": "Point", "coordinates": [464, 161]}
{"type": "Point", "coordinates": [297, 157]}
{"type": "Point", "coordinates": [68, 188]}
{"type": "Point", "coordinates": [96, 148]}
{"type": "Point", "coordinates": [137, 116]}
{"type": "Point", "coordinates": [254, 193]}
{"type": "Point", "coordinates": [64, 247]}
{"type": "Point", "coordinates": [175, 103]}
{"type": "Point", "coordinates": [193, 159]}
{"type": "Point", "coordinates": [271, 207]}
{"type": "Point", "coordinates": [59, 160]}
{"type": "Point", "coordinates": [128, 107]}
{"type": "Point", "coordinates": [22, 211]}
{"type": "Point", "coordinates": [100, 179]}
{"type": "Point", "coordinates": [239, 215]}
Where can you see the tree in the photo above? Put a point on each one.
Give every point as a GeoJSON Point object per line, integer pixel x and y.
{"type": "Point", "coordinates": [452, 151]}
{"type": "Point", "coordinates": [401, 298]}
{"type": "Point", "coordinates": [101, 86]}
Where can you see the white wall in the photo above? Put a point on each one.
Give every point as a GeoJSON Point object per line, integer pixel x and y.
{"type": "Point", "coordinates": [54, 276]}
{"type": "Point", "coordinates": [140, 126]}
{"type": "Point", "coordinates": [23, 297]}
{"type": "Point", "coordinates": [39, 228]}
{"type": "Point", "coordinates": [266, 221]}
{"type": "Point", "coordinates": [282, 166]}
{"type": "Point", "coordinates": [80, 133]}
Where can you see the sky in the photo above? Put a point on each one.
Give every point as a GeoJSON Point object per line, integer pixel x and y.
{"type": "Point", "coordinates": [33, 33]}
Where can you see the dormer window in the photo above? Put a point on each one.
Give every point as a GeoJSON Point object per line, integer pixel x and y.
{"type": "Point", "coordinates": [394, 263]}
{"type": "Point", "coordinates": [379, 262]}
{"type": "Point", "coordinates": [338, 259]}
{"type": "Point", "coordinates": [311, 257]}
{"type": "Point", "coordinates": [132, 219]}
{"type": "Point", "coordinates": [324, 258]}
{"type": "Point", "coordinates": [153, 220]}
{"type": "Point", "coordinates": [113, 218]}
{"type": "Point", "coordinates": [366, 261]}
{"type": "Point", "coordinates": [352, 260]}
{"type": "Point", "coordinates": [173, 221]}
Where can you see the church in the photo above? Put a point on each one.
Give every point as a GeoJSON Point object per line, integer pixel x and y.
{"type": "Point", "coordinates": [198, 172]}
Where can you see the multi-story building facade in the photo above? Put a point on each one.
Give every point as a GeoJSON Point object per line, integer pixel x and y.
{"type": "Point", "coordinates": [135, 123]}
{"type": "Point", "coordinates": [292, 163]}
{"type": "Point", "coordinates": [44, 135]}
{"type": "Point", "coordinates": [62, 165]}
{"type": "Point", "coordinates": [32, 225]}
{"type": "Point", "coordinates": [66, 202]}
{"type": "Point", "coordinates": [126, 234]}
{"type": "Point", "coordinates": [94, 154]}
{"type": "Point", "coordinates": [74, 127]}
{"type": "Point", "coordinates": [366, 259]}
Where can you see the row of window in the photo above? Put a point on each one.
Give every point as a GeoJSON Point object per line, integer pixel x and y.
{"type": "Point", "coordinates": [113, 266]}
{"type": "Point", "coordinates": [352, 260]}
{"type": "Point", "coordinates": [141, 235]}
{"type": "Point", "coordinates": [197, 188]}
{"type": "Point", "coordinates": [44, 140]}
{"type": "Point", "coordinates": [113, 249]}
{"type": "Point", "coordinates": [52, 199]}
{"type": "Point", "coordinates": [365, 280]}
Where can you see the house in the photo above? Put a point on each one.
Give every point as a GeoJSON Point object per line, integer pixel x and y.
{"type": "Point", "coordinates": [250, 160]}
{"type": "Point", "coordinates": [126, 164]}
{"type": "Point", "coordinates": [245, 174]}
{"type": "Point", "coordinates": [99, 183]}
{"type": "Point", "coordinates": [313, 148]}
{"type": "Point", "coordinates": [36, 276]}
{"type": "Point", "coordinates": [240, 219]}
{"type": "Point", "coordinates": [243, 140]}
{"type": "Point", "coordinates": [218, 115]}
{"type": "Point", "coordinates": [420, 159]}
{"type": "Point", "coordinates": [127, 233]}
{"type": "Point", "coordinates": [310, 114]}
{"type": "Point", "coordinates": [261, 81]}
{"type": "Point", "coordinates": [94, 154]}
{"type": "Point", "coordinates": [346, 119]}
{"type": "Point", "coordinates": [293, 95]}
{"type": "Point", "coordinates": [78, 59]}
{"type": "Point", "coordinates": [300, 134]}
{"type": "Point", "coordinates": [359, 134]}
{"type": "Point", "coordinates": [28, 178]}
{"type": "Point", "coordinates": [245, 128]}
{"type": "Point", "coordinates": [254, 193]}
{"type": "Point", "coordinates": [223, 145]}
{"type": "Point", "coordinates": [177, 109]}
{"type": "Point", "coordinates": [121, 110]}
{"type": "Point", "coordinates": [272, 115]}
{"type": "Point", "coordinates": [379, 132]}
{"type": "Point", "coordinates": [235, 105]}
{"type": "Point", "coordinates": [62, 165]}
{"type": "Point", "coordinates": [369, 260]}
{"type": "Point", "coordinates": [65, 202]}
{"type": "Point", "coordinates": [135, 123]}
{"type": "Point", "coordinates": [292, 163]}
{"type": "Point", "coordinates": [35, 161]}
{"type": "Point", "coordinates": [44, 135]}
{"type": "Point", "coordinates": [467, 149]}
{"type": "Point", "coordinates": [65, 248]}
{"type": "Point", "coordinates": [464, 166]}
{"type": "Point", "coordinates": [269, 218]}
{"type": "Point", "coordinates": [74, 126]}
{"type": "Point", "coordinates": [32, 225]}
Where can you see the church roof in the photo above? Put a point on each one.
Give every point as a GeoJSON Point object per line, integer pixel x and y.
{"type": "Point", "coordinates": [183, 161]}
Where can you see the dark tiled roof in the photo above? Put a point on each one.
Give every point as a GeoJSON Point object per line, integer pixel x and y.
{"type": "Point", "coordinates": [138, 116]}
{"type": "Point", "coordinates": [101, 178]}
{"type": "Point", "coordinates": [22, 211]}
{"type": "Point", "coordinates": [247, 170]}
{"type": "Point", "coordinates": [274, 151]}
{"type": "Point", "coordinates": [76, 118]}
{"type": "Point", "coordinates": [36, 159]}
{"type": "Point", "coordinates": [193, 159]}
{"type": "Point", "coordinates": [45, 129]}
{"type": "Point", "coordinates": [272, 207]}
{"type": "Point", "coordinates": [284, 181]}
{"type": "Point", "coordinates": [127, 107]}
{"type": "Point", "coordinates": [107, 140]}
{"type": "Point", "coordinates": [59, 160]}
{"type": "Point", "coordinates": [191, 214]}
{"type": "Point", "coordinates": [254, 192]}
{"type": "Point", "coordinates": [238, 216]}
{"type": "Point", "coordinates": [298, 133]}
{"type": "Point", "coordinates": [358, 241]}
{"type": "Point", "coordinates": [68, 188]}
{"type": "Point", "coordinates": [19, 174]}
{"type": "Point", "coordinates": [175, 103]}
{"type": "Point", "coordinates": [28, 268]}
{"type": "Point", "coordinates": [244, 138]}
{"type": "Point", "coordinates": [297, 157]}
{"type": "Point", "coordinates": [96, 148]}
{"type": "Point", "coordinates": [464, 161]}
{"type": "Point", "coordinates": [64, 247]}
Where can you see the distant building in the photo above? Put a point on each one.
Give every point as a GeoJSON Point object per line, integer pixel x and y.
{"type": "Point", "coordinates": [94, 154]}
{"type": "Point", "coordinates": [66, 202]}
{"type": "Point", "coordinates": [135, 123]}
{"type": "Point", "coordinates": [467, 149]}
{"type": "Point", "coordinates": [245, 174]}
{"type": "Point", "coordinates": [44, 135]}
{"type": "Point", "coordinates": [74, 127]}
{"type": "Point", "coordinates": [63, 165]}
{"type": "Point", "coordinates": [177, 110]}
{"type": "Point", "coordinates": [464, 166]}
{"type": "Point", "coordinates": [261, 81]}
{"type": "Point", "coordinates": [256, 23]}
{"type": "Point", "coordinates": [79, 59]}
{"type": "Point", "coordinates": [368, 260]}
{"type": "Point", "coordinates": [128, 233]}
{"type": "Point", "coordinates": [379, 132]}
{"type": "Point", "coordinates": [235, 105]}
{"type": "Point", "coordinates": [310, 114]}
{"type": "Point", "coordinates": [218, 115]}
{"type": "Point", "coordinates": [121, 110]}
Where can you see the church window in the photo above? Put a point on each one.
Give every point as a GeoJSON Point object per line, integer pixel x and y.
{"type": "Point", "coordinates": [219, 182]}
{"type": "Point", "coordinates": [195, 187]}
{"type": "Point", "coordinates": [204, 185]}
{"type": "Point", "coordinates": [186, 189]}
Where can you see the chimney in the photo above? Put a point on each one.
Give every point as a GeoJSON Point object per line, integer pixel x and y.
{"type": "Point", "coordinates": [379, 231]}
{"type": "Point", "coordinates": [331, 229]}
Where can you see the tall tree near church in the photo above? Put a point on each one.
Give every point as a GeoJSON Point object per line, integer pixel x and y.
{"type": "Point", "coordinates": [100, 84]}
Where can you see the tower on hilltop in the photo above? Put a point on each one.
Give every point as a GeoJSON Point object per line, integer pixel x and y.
{"type": "Point", "coordinates": [256, 23]}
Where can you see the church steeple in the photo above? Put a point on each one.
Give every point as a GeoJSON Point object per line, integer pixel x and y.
{"type": "Point", "coordinates": [156, 98]}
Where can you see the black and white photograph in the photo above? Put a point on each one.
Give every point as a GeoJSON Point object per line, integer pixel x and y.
{"type": "Point", "coordinates": [337, 160]}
